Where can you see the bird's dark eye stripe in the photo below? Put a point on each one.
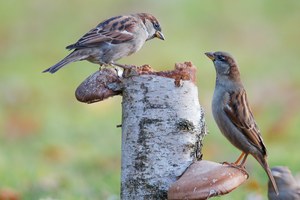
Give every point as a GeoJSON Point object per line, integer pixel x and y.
{"type": "Point", "coordinates": [157, 26]}
{"type": "Point", "coordinates": [220, 57]}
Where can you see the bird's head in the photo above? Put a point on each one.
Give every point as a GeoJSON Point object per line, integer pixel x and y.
{"type": "Point", "coordinates": [225, 64]}
{"type": "Point", "coordinates": [283, 175]}
{"type": "Point", "coordinates": [152, 25]}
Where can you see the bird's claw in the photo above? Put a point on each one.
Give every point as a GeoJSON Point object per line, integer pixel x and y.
{"type": "Point", "coordinates": [235, 165]}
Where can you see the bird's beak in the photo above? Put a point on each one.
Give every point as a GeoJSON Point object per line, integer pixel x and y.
{"type": "Point", "coordinates": [159, 35]}
{"type": "Point", "coordinates": [210, 55]}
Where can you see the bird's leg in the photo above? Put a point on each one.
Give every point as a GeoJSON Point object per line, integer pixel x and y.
{"type": "Point", "coordinates": [243, 161]}
{"type": "Point", "coordinates": [100, 68]}
{"type": "Point", "coordinates": [236, 163]}
{"type": "Point", "coordinates": [239, 158]}
{"type": "Point", "coordinates": [103, 65]}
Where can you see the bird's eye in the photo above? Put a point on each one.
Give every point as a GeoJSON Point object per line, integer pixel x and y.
{"type": "Point", "coordinates": [222, 58]}
{"type": "Point", "coordinates": [156, 26]}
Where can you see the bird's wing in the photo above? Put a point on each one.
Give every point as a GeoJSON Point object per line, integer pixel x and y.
{"type": "Point", "coordinates": [114, 30]}
{"type": "Point", "coordinates": [238, 111]}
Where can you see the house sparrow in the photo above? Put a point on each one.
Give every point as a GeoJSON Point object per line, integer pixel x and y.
{"type": "Point", "coordinates": [287, 185]}
{"type": "Point", "coordinates": [233, 115]}
{"type": "Point", "coordinates": [112, 40]}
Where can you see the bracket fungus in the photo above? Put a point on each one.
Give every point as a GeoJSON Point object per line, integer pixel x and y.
{"type": "Point", "coordinates": [106, 83]}
{"type": "Point", "coordinates": [205, 179]}
{"type": "Point", "coordinates": [101, 85]}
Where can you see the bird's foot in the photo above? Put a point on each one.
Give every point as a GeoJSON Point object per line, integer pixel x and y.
{"type": "Point", "coordinates": [103, 65]}
{"type": "Point", "coordinates": [235, 165]}
{"type": "Point", "coordinates": [228, 163]}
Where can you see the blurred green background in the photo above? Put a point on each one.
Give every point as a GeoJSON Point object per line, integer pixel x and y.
{"type": "Point", "coordinates": [52, 146]}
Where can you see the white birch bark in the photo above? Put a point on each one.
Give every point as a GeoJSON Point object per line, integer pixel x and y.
{"type": "Point", "coordinates": [162, 130]}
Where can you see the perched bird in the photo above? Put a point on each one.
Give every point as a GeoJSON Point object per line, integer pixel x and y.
{"type": "Point", "coordinates": [112, 40]}
{"type": "Point", "coordinates": [232, 113]}
{"type": "Point", "coordinates": [287, 185]}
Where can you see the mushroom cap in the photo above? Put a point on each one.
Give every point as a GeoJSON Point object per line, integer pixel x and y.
{"type": "Point", "coordinates": [99, 86]}
{"type": "Point", "coordinates": [204, 179]}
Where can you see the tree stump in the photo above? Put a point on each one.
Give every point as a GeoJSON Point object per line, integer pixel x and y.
{"type": "Point", "coordinates": [162, 129]}
{"type": "Point", "coordinates": [162, 125]}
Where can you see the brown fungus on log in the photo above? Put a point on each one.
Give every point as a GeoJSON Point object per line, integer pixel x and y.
{"type": "Point", "coordinates": [106, 83]}
{"type": "Point", "coordinates": [205, 179]}
{"type": "Point", "coordinates": [101, 85]}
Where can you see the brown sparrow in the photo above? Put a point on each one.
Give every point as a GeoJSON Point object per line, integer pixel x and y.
{"type": "Point", "coordinates": [233, 115]}
{"type": "Point", "coordinates": [287, 185]}
{"type": "Point", "coordinates": [112, 40]}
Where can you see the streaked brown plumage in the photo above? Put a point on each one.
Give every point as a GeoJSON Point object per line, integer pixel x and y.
{"type": "Point", "coordinates": [112, 40]}
{"type": "Point", "coordinates": [233, 115]}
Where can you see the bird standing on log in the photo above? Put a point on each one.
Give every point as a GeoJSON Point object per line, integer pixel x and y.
{"type": "Point", "coordinates": [233, 115]}
{"type": "Point", "coordinates": [112, 40]}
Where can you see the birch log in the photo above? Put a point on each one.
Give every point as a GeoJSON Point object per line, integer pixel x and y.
{"type": "Point", "coordinates": [162, 125]}
{"type": "Point", "coordinates": [162, 130]}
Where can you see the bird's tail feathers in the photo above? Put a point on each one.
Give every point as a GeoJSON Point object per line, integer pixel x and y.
{"type": "Point", "coordinates": [72, 57]}
{"type": "Point", "coordinates": [263, 162]}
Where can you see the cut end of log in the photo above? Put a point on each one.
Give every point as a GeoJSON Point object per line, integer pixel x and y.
{"type": "Point", "coordinates": [205, 179]}
{"type": "Point", "coordinates": [183, 71]}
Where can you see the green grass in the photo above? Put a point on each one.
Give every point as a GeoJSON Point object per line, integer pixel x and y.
{"type": "Point", "coordinates": [52, 146]}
